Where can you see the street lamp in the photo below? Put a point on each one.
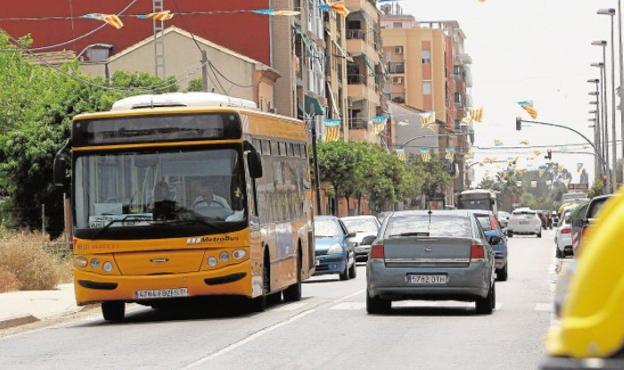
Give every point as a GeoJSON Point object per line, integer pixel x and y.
{"type": "Point", "coordinates": [605, 105]}
{"type": "Point", "coordinates": [611, 12]}
{"type": "Point", "coordinates": [621, 68]}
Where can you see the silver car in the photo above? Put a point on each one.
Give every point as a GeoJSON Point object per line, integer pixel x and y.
{"type": "Point", "coordinates": [431, 255]}
{"type": "Point", "coordinates": [365, 229]}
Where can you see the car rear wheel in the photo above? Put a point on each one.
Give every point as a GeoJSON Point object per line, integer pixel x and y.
{"type": "Point", "coordinates": [510, 234]}
{"type": "Point", "coordinates": [376, 305]}
{"type": "Point", "coordinates": [113, 311]}
{"type": "Point", "coordinates": [485, 306]}
{"type": "Point", "coordinates": [559, 253]}
{"type": "Point", "coordinates": [539, 235]}
{"type": "Point", "coordinates": [345, 274]}
{"type": "Point", "coordinates": [501, 275]}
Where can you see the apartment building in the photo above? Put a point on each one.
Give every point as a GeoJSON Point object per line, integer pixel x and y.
{"type": "Point", "coordinates": [365, 73]}
{"type": "Point", "coordinates": [430, 71]}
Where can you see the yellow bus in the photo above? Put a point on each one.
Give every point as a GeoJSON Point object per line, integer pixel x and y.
{"type": "Point", "coordinates": [186, 195]}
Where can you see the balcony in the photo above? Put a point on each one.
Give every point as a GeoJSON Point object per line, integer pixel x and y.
{"type": "Point", "coordinates": [358, 45]}
{"type": "Point", "coordinates": [396, 68]}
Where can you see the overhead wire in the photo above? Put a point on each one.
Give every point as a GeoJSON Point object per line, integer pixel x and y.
{"type": "Point", "coordinates": [89, 33]}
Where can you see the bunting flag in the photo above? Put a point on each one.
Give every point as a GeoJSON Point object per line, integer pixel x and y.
{"type": "Point", "coordinates": [165, 15]}
{"type": "Point", "coordinates": [403, 123]}
{"type": "Point", "coordinates": [476, 114]}
{"type": "Point", "coordinates": [541, 173]}
{"type": "Point", "coordinates": [270, 11]}
{"type": "Point", "coordinates": [112, 20]}
{"type": "Point", "coordinates": [428, 120]}
{"type": "Point", "coordinates": [524, 142]}
{"type": "Point", "coordinates": [530, 158]}
{"type": "Point", "coordinates": [379, 123]}
{"type": "Point", "coordinates": [537, 153]}
{"type": "Point", "coordinates": [332, 130]}
{"type": "Point", "coordinates": [579, 167]}
{"type": "Point", "coordinates": [498, 142]}
{"type": "Point", "coordinates": [425, 154]}
{"type": "Point", "coordinates": [400, 152]}
{"type": "Point", "coordinates": [449, 153]}
{"type": "Point", "coordinates": [528, 106]}
{"type": "Point", "coordinates": [339, 8]}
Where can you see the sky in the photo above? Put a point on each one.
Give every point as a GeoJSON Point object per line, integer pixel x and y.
{"type": "Point", "coordinates": [531, 49]}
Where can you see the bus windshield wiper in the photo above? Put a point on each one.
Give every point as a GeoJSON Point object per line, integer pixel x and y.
{"type": "Point", "coordinates": [125, 218]}
{"type": "Point", "coordinates": [195, 217]}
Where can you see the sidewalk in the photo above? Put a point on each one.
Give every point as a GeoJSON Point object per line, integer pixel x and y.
{"type": "Point", "coordinates": [24, 307]}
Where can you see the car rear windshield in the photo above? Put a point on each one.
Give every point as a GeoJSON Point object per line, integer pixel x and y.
{"type": "Point", "coordinates": [360, 225]}
{"type": "Point", "coordinates": [434, 226]}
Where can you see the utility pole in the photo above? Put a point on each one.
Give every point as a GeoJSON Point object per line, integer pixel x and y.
{"type": "Point", "coordinates": [317, 179]}
{"type": "Point", "coordinates": [613, 109]}
{"type": "Point", "coordinates": [159, 40]}
{"type": "Point", "coordinates": [621, 74]}
{"type": "Point", "coordinates": [204, 63]}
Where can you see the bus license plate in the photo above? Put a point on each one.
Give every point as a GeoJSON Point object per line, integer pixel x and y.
{"type": "Point", "coordinates": [161, 293]}
{"type": "Point", "coordinates": [426, 279]}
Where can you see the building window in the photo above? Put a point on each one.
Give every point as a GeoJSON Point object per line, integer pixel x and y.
{"type": "Point", "coordinates": [397, 25]}
{"type": "Point", "coordinates": [398, 50]}
{"type": "Point", "coordinates": [427, 88]}
{"type": "Point", "coordinates": [426, 56]}
{"type": "Point", "coordinates": [458, 99]}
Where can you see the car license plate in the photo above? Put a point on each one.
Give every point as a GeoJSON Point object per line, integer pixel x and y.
{"type": "Point", "coordinates": [161, 293]}
{"type": "Point", "coordinates": [524, 222]}
{"type": "Point", "coordinates": [426, 279]}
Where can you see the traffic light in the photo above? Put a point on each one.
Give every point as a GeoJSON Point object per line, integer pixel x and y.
{"type": "Point", "coordinates": [548, 155]}
{"type": "Point", "coordinates": [518, 123]}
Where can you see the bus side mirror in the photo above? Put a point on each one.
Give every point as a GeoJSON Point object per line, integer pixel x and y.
{"type": "Point", "coordinates": [255, 164]}
{"type": "Point", "coordinates": [59, 169]}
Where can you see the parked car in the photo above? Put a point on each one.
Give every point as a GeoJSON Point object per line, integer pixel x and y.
{"type": "Point", "coordinates": [555, 218]}
{"type": "Point", "coordinates": [432, 255]}
{"type": "Point", "coordinates": [334, 253]}
{"type": "Point", "coordinates": [588, 218]}
{"type": "Point", "coordinates": [576, 220]}
{"type": "Point", "coordinates": [503, 218]}
{"type": "Point", "coordinates": [365, 229]}
{"type": "Point", "coordinates": [492, 227]}
{"type": "Point", "coordinates": [563, 236]}
{"type": "Point", "coordinates": [524, 221]}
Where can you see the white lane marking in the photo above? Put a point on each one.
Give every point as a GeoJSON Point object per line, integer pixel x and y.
{"type": "Point", "coordinates": [255, 335]}
{"type": "Point", "coordinates": [291, 306]}
{"type": "Point", "coordinates": [266, 330]}
{"type": "Point", "coordinates": [544, 307]}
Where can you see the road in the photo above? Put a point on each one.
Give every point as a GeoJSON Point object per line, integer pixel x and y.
{"type": "Point", "coordinates": [328, 329]}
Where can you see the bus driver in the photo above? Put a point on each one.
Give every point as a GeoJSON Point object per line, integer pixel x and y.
{"type": "Point", "coordinates": [207, 198]}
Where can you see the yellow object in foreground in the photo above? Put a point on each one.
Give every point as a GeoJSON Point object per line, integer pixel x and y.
{"type": "Point", "coordinates": [592, 321]}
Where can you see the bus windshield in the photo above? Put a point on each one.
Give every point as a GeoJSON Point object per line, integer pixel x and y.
{"type": "Point", "coordinates": [146, 188]}
{"type": "Point", "coordinates": [483, 202]}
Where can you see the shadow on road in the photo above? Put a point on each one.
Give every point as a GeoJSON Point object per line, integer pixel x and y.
{"type": "Point", "coordinates": [204, 308]}
{"type": "Point", "coordinates": [432, 311]}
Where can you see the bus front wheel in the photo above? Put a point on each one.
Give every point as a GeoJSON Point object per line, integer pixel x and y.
{"type": "Point", "coordinates": [293, 292]}
{"type": "Point", "coordinates": [113, 311]}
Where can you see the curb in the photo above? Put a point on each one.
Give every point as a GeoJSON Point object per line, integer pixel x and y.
{"type": "Point", "coordinates": [17, 321]}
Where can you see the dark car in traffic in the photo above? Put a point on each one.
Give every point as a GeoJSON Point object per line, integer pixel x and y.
{"type": "Point", "coordinates": [431, 255]}
{"type": "Point", "coordinates": [491, 228]}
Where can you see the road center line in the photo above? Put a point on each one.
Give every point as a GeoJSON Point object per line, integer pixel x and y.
{"type": "Point", "coordinates": [266, 330]}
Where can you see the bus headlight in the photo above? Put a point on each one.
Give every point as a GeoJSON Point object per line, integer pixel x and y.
{"type": "Point", "coordinates": [239, 254]}
{"type": "Point", "coordinates": [212, 261]}
{"type": "Point", "coordinates": [81, 262]}
{"type": "Point", "coordinates": [107, 266]}
{"type": "Point", "coordinates": [224, 256]}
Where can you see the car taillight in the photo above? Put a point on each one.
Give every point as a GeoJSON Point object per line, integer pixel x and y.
{"type": "Point", "coordinates": [584, 231]}
{"type": "Point", "coordinates": [377, 251]}
{"type": "Point", "coordinates": [477, 252]}
{"type": "Point", "coordinates": [566, 230]}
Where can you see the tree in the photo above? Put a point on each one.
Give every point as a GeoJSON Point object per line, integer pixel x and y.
{"type": "Point", "coordinates": [37, 105]}
{"type": "Point", "coordinates": [433, 174]}
{"type": "Point", "coordinates": [340, 165]}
